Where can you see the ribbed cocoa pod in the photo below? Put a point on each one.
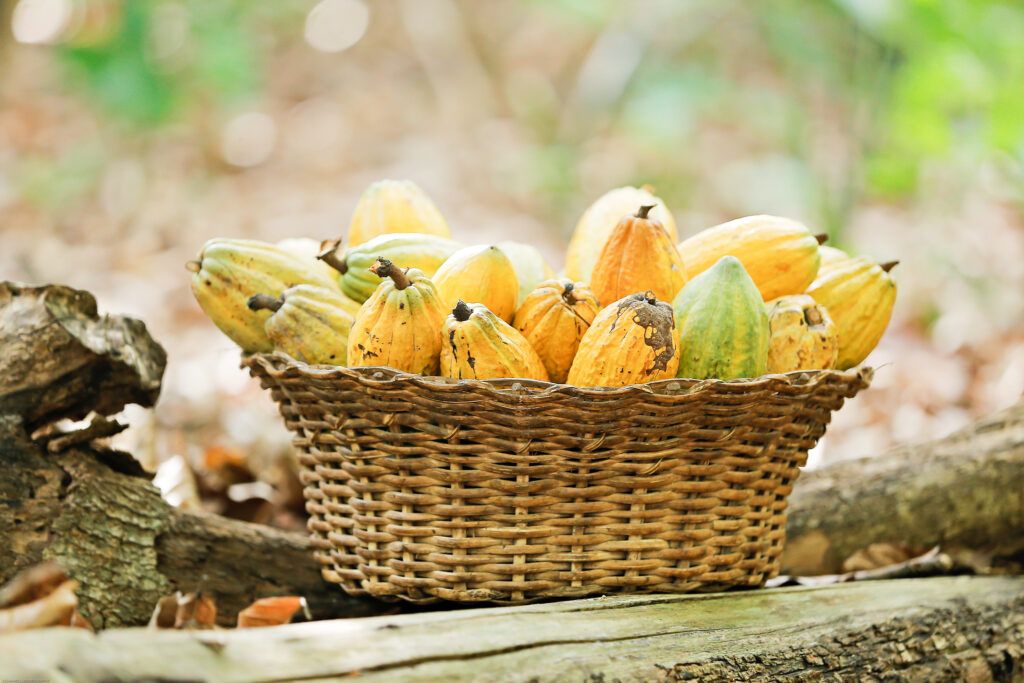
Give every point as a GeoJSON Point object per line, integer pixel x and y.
{"type": "Point", "coordinates": [554, 318]}
{"type": "Point", "coordinates": [477, 344]}
{"type": "Point", "coordinates": [631, 341]}
{"type": "Point", "coordinates": [400, 325]}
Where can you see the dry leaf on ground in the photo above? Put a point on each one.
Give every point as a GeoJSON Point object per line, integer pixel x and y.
{"type": "Point", "coordinates": [273, 611]}
{"type": "Point", "coordinates": [38, 597]}
{"type": "Point", "coordinates": [184, 611]}
{"type": "Point", "coordinates": [177, 483]}
{"type": "Point", "coordinates": [879, 555]}
{"type": "Point", "coordinates": [931, 563]}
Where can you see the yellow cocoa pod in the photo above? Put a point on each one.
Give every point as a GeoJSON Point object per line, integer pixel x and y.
{"type": "Point", "coordinates": [632, 341]}
{"type": "Point", "coordinates": [639, 256]}
{"type": "Point", "coordinates": [599, 220]}
{"type": "Point", "coordinates": [859, 295]}
{"type": "Point", "coordinates": [477, 344]}
{"type": "Point", "coordinates": [779, 254]}
{"type": "Point", "coordinates": [479, 275]}
{"type": "Point", "coordinates": [530, 266]}
{"type": "Point", "coordinates": [309, 323]}
{"type": "Point", "coordinates": [554, 318]}
{"type": "Point", "coordinates": [399, 326]}
{"type": "Point", "coordinates": [395, 206]}
{"type": "Point", "coordinates": [308, 249]}
{"type": "Point", "coordinates": [803, 336]}
{"type": "Point", "coordinates": [228, 271]}
{"type": "Point", "coordinates": [830, 255]}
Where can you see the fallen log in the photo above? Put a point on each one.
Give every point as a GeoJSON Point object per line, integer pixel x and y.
{"type": "Point", "coordinates": [961, 492]}
{"type": "Point", "coordinates": [127, 547]}
{"type": "Point", "coordinates": [948, 628]}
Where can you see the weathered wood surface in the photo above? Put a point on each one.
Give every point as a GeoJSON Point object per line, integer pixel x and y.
{"type": "Point", "coordinates": [962, 628]}
{"type": "Point", "coordinates": [965, 491]}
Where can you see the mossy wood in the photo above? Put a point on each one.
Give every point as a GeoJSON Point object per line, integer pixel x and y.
{"type": "Point", "coordinates": [950, 628]}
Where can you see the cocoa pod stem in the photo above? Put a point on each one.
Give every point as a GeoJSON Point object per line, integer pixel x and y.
{"type": "Point", "coordinates": [644, 210]}
{"type": "Point", "coordinates": [822, 238]}
{"type": "Point", "coordinates": [568, 294]}
{"type": "Point", "coordinates": [812, 316]}
{"type": "Point", "coordinates": [264, 302]}
{"type": "Point", "coordinates": [385, 268]}
{"type": "Point", "coordinates": [462, 311]}
{"type": "Point", "coordinates": [329, 255]}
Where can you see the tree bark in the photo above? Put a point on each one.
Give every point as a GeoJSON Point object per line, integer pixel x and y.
{"type": "Point", "coordinates": [128, 548]}
{"type": "Point", "coordinates": [949, 628]}
{"type": "Point", "coordinates": [961, 492]}
{"type": "Point", "coordinates": [61, 359]}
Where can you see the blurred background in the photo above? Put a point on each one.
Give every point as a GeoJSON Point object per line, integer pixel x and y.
{"type": "Point", "coordinates": [133, 131]}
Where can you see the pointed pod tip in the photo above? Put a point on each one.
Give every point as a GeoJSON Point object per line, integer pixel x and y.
{"type": "Point", "coordinates": [193, 266]}
{"type": "Point", "coordinates": [729, 261]}
{"type": "Point", "coordinates": [888, 265]}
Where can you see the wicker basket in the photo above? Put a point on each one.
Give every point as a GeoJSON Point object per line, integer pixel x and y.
{"type": "Point", "coordinates": [509, 491]}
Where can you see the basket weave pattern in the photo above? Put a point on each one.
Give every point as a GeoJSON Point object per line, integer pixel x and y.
{"type": "Point", "coordinates": [425, 488]}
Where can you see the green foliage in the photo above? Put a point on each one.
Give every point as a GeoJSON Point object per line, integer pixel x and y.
{"type": "Point", "coordinates": [956, 82]}
{"type": "Point", "coordinates": [118, 73]}
{"type": "Point", "coordinates": [218, 61]}
{"type": "Point", "coordinates": [906, 83]}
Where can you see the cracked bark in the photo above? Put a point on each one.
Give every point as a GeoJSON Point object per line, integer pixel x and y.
{"type": "Point", "coordinates": [61, 359]}
{"type": "Point", "coordinates": [127, 547]}
{"type": "Point", "coordinates": [938, 629]}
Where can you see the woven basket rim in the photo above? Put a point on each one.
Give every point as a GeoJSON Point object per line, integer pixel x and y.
{"type": "Point", "coordinates": [279, 365]}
